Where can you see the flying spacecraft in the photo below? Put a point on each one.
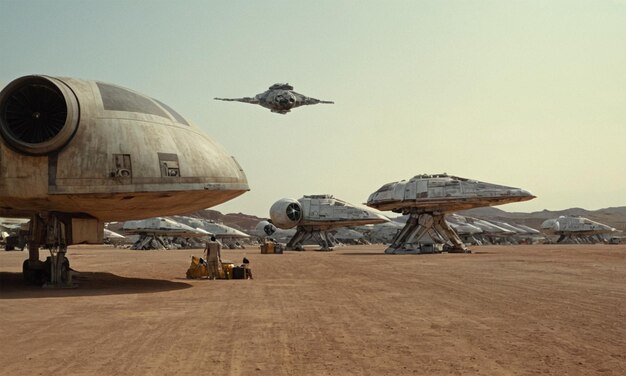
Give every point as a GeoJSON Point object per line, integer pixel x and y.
{"type": "Point", "coordinates": [575, 229]}
{"type": "Point", "coordinates": [278, 98]}
{"type": "Point", "coordinates": [315, 215]}
{"type": "Point", "coordinates": [427, 198]}
{"type": "Point", "coordinates": [75, 154]}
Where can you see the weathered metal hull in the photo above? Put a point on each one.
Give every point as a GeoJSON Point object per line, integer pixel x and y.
{"type": "Point", "coordinates": [445, 205]}
{"type": "Point", "coordinates": [125, 160]}
{"type": "Point", "coordinates": [442, 193]}
{"type": "Point", "coordinates": [315, 215]}
{"type": "Point", "coordinates": [427, 198]}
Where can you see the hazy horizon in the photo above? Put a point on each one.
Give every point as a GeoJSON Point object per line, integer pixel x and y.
{"type": "Point", "coordinates": [528, 94]}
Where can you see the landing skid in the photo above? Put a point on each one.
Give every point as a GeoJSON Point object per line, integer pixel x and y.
{"type": "Point", "coordinates": [418, 251]}
{"type": "Point", "coordinates": [404, 251]}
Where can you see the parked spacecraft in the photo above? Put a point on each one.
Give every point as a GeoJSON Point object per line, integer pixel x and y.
{"type": "Point", "coordinates": [495, 232]}
{"type": "Point", "coordinates": [13, 233]}
{"type": "Point", "coordinates": [351, 236]}
{"type": "Point", "coordinates": [77, 153]}
{"type": "Point", "coordinates": [161, 233]}
{"type": "Point", "coordinates": [278, 98]}
{"type": "Point", "coordinates": [427, 198]}
{"type": "Point", "coordinates": [228, 236]}
{"type": "Point", "coordinates": [265, 229]}
{"type": "Point", "coordinates": [162, 226]}
{"type": "Point", "coordinates": [315, 215]}
{"type": "Point", "coordinates": [576, 229]}
{"type": "Point", "coordinates": [382, 233]}
{"type": "Point", "coordinates": [431, 241]}
{"type": "Point", "coordinates": [466, 231]}
{"type": "Point", "coordinates": [112, 237]}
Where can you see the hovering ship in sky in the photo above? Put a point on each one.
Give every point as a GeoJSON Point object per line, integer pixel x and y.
{"type": "Point", "coordinates": [427, 198]}
{"type": "Point", "coordinates": [279, 98]}
{"type": "Point", "coordinates": [315, 215]}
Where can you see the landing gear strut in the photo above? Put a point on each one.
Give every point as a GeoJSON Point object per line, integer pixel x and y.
{"type": "Point", "coordinates": [418, 225]}
{"type": "Point", "coordinates": [50, 230]}
{"type": "Point", "coordinates": [323, 238]}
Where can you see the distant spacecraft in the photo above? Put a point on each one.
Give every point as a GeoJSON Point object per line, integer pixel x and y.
{"type": "Point", "coordinates": [162, 227]}
{"type": "Point", "coordinates": [159, 232]}
{"type": "Point", "coordinates": [315, 215]}
{"type": "Point", "coordinates": [265, 229]}
{"type": "Point", "coordinates": [493, 232]}
{"type": "Point", "coordinates": [427, 198]}
{"type": "Point", "coordinates": [278, 98]}
{"type": "Point", "coordinates": [576, 229]}
{"type": "Point", "coordinates": [228, 236]}
{"type": "Point", "coordinates": [108, 235]}
{"type": "Point", "coordinates": [381, 232]}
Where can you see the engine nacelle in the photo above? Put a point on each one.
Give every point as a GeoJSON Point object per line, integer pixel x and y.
{"type": "Point", "coordinates": [38, 114]}
{"type": "Point", "coordinates": [265, 227]}
{"type": "Point", "coordinates": [286, 213]}
{"type": "Point", "coordinates": [550, 225]}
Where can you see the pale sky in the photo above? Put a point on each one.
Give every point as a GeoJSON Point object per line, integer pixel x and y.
{"type": "Point", "coordinates": [530, 94]}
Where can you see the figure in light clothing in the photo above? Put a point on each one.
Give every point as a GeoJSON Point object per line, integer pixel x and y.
{"type": "Point", "coordinates": [213, 252]}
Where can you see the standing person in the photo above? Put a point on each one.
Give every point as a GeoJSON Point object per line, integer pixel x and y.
{"type": "Point", "coordinates": [213, 253]}
{"type": "Point", "coordinates": [246, 266]}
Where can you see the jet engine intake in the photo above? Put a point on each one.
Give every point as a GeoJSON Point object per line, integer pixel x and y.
{"type": "Point", "coordinates": [38, 114]}
{"type": "Point", "coordinates": [285, 100]}
{"type": "Point", "coordinates": [286, 213]}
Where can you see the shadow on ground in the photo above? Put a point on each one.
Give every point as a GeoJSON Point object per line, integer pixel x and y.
{"type": "Point", "coordinates": [363, 254]}
{"type": "Point", "coordinates": [409, 254]}
{"type": "Point", "coordinates": [87, 284]}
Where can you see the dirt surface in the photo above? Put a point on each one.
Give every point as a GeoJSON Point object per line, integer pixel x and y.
{"type": "Point", "coordinates": [515, 310]}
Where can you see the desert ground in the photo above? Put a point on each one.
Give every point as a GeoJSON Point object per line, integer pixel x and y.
{"type": "Point", "coordinates": [503, 310]}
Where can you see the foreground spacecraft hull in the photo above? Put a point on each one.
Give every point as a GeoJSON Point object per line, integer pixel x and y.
{"type": "Point", "coordinates": [125, 156]}
{"type": "Point", "coordinates": [77, 153]}
{"type": "Point", "coordinates": [427, 198]}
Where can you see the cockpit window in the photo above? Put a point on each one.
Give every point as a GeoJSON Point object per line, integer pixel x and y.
{"type": "Point", "coordinates": [386, 187]}
{"type": "Point", "coordinates": [115, 98]}
{"type": "Point", "coordinates": [175, 114]}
